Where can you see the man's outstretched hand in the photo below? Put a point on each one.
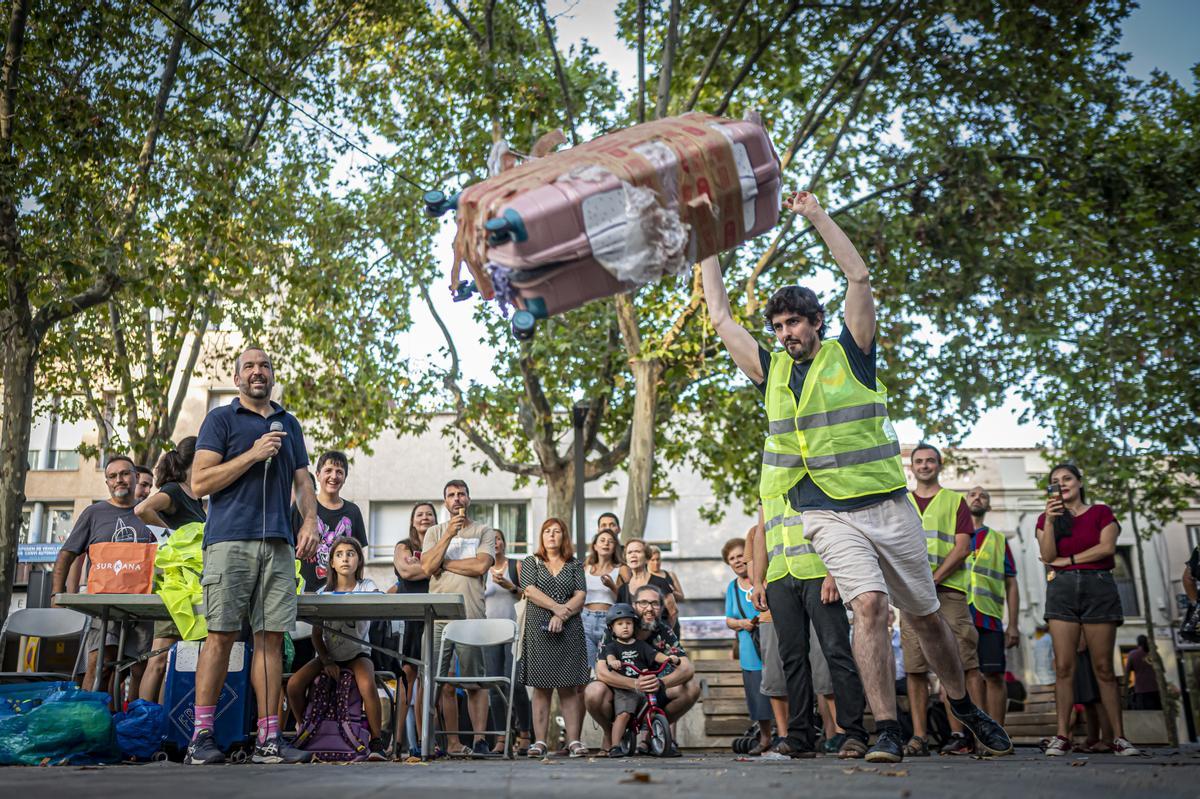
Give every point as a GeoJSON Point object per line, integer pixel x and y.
{"type": "Point", "coordinates": [803, 203]}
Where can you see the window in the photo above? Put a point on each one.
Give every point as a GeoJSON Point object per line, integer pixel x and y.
{"type": "Point", "coordinates": [660, 525]}
{"type": "Point", "coordinates": [510, 518]}
{"type": "Point", "coordinates": [64, 460]}
{"type": "Point", "coordinates": [23, 537]}
{"type": "Point", "coordinates": [58, 523]}
{"type": "Point", "coordinates": [388, 524]}
{"type": "Point", "coordinates": [1126, 583]}
{"type": "Point", "coordinates": [1193, 536]}
{"type": "Point", "coordinates": [31, 458]}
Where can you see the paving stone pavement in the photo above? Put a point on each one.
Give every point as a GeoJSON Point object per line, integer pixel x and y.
{"type": "Point", "coordinates": [1027, 775]}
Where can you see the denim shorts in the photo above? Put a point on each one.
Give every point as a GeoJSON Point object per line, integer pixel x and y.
{"type": "Point", "coordinates": [1084, 596]}
{"type": "Point", "coordinates": [594, 628]}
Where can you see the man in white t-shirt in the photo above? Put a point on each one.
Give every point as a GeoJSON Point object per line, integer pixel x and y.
{"type": "Point", "coordinates": [456, 558]}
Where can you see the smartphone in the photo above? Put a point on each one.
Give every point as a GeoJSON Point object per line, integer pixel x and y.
{"type": "Point", "coordinates": [1054, 490]}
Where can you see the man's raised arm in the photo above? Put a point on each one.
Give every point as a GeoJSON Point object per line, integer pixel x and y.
{"type": "Point", "coordinates": [737, 339]}
{"type": "Point", "coordinates": [860, 305]}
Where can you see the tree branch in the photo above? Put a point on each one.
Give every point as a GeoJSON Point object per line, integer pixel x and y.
{"type": "Point", "coordinates": [641, 59]}
{"type": "Point", "coordinates": [543, 442]}
{"type": "Point", "coordinates": [716, 52]}
{"type": "Point", "coordinates": [668, 62]}
{"type": "Point", "coordinates": [471, 29]}
{"type": "Point", "coordinates": [753, 59]}
{"type": "Point", "coordinates": [563, 85]}
{"type": "Point", "coordinates": [685, 316]}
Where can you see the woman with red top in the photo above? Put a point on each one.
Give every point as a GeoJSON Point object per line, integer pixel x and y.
{"type": "Point", "coordinates": [1077, 542]}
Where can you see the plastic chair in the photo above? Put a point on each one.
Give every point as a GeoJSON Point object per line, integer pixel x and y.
{"type": "Point", "coordinates": [480, 633]}
{"type": "Point", "coordinates": [47, 624]}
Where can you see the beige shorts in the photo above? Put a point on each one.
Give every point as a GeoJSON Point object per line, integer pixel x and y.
{"type": "Point", "coordinates": [957, 614]}
{"type": "Point", "coordinates": [880, 548]}
{"type": "Point", "coordinates": [253, 580]}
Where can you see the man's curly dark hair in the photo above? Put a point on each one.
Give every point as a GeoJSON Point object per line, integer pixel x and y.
{"type": "Point", "coordinates": [796, 300]}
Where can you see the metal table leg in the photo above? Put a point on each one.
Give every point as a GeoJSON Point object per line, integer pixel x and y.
{"type": "Point", "coordinates": [96, 682]}
{"type": "Point", "coordinates": [124, 625]}
{"type": "Point", "coordinates": [427, 668]}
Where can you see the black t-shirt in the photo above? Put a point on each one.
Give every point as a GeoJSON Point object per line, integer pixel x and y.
{"type": "Point", "coordinates": [636, 656]}
{"type": "Point", "coordinates": [805, 495]}
{"type": "Point", "coordinates": [663, 583]}
{"type": "Point", "coordinates": [344, 521]}
{"type": "Point", "coordinates": [188, 509]}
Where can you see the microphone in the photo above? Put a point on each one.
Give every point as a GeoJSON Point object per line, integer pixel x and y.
{"type": "Point", "coordinates": [276, 427]}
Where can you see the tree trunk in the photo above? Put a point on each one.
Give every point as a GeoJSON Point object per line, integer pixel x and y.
{"type": "Point", "coordinates": [19, 350]}
{"type": "Point", "coordinates": [641, 448]}
{"type": "Point", "coordinates": [1170, 708]}
{"type": "Point", "coordinates": [560, 497]}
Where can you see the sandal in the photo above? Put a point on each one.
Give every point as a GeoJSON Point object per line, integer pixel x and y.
{"type": "Point", "coordinates": [616, 751]}
{"type": "Point", "coordinates": [916, 747]}
{"type": "Point", "coordinates": [852, 749]}
{"type": "Point", "coordinates": [538, 749]}
{"type": "Point", "coordinates": [577, 749]}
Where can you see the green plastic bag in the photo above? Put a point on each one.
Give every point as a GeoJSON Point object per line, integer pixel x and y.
{"type": "Point", "coordinates": [70, 727]}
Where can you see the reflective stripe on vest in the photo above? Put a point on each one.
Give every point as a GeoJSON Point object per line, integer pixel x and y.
{"type": "Point", "coordinates": [837, 432]}
{"type": "Point", "coordinates": [987, 576]}
{"type": "Point", "coordinates": [940, 521]}
{"type": "Point", "coordinates": [788, 551]}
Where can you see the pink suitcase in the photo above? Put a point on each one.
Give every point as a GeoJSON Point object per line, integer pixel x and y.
{"type": "Point", "coordinates": [626, 208]}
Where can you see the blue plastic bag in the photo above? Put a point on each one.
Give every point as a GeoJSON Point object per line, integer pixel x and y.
{"type": "Point", "coordinates": [22, 697]}
{"type": "Point", "coordinates": [70, 727]}
{"type": "Point", "coordinates": [141, 729]}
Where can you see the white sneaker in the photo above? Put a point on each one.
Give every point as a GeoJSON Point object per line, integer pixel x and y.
{"type": "Point", "coordinates": [1058, 746]}
{"type": "Point", "coordinates": [1122, 748]}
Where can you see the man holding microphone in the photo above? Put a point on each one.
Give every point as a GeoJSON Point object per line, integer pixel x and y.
{"type": "Point", "coordinates": [250, 457]}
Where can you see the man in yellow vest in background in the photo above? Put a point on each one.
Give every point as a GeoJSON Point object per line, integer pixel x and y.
{"type": "Point", "coordinates": [833, 457]}
{"type": "Point", "coordinates": [948, 530]}
{"type": "Point", "coordinates": [993, 585]}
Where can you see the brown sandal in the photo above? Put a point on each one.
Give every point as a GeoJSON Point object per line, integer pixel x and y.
{"type": "Point", "coordinates": [916, 747]}
{"type": "Point", "coordinates": [852, 749]}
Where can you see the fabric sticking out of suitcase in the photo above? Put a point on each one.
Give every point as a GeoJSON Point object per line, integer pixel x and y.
{"type": "Point", "coordinates": [625, 209]}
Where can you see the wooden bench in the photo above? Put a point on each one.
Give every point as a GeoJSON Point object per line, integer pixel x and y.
{"type": "Point", "coordinates": [722, 697]}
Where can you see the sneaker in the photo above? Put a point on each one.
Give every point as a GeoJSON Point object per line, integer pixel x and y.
{"type": "Point", "coordinates": [375, 750]}
{"type": "Point", "coordinates": [888, 748]}
{"type": "Point", "coordinates": [673, 750]}
{"type": "Point", "coordinates": [833, 745]}
{"type": "Point", "coordinates": [480, 749]}
{"type": "Point", "coordinates": [277, 750]}
{"type": "Point", "coordinates": [990, 735]}
{"type": "Point", "coordinates": [1122, 748]}
{"type": "Point", "coordinates": [959, 744]}
{"type": "Point", "coordinates": [759, 747]}
{"type": "Point", "coordinates": [782, 749]}
{"type": "Point", "coordinates": [1057, 746]}
{"type": "Point", "coordinates": [203, 751]}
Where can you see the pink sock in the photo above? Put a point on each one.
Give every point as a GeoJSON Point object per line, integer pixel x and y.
{"type": "Point", "coordinates": [203, 719]}
{"type": "Point", "coordinates": [263, 730]}
{"type": "Point", "coordinates": [272, 726]}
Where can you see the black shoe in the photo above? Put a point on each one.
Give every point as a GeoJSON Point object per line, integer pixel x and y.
{"type": "Point", "coordinates": [783, 748]}
{"type": "Point", "coordinates": [277, 750]}
{"type": "Point", "coordinates": [203, 751]}
{"type": "Point", "coordinates": [990, 735]}
{"type": "Point", "coordinates": [375, 750]}
{"type": "Point", "coordinates": [959, 744]}
{"type": "Point", "coordinates": [672, 750]}
{"type": "Point", "coordinates": [888, 748]}
{"type": "Point", "coordinates": [481, 749]}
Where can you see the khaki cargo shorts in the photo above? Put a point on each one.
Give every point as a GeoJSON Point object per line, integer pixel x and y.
{"type": "Point", "coordinates": [957, 614]}
{"type": "Point", "coordinates": [253, 580]}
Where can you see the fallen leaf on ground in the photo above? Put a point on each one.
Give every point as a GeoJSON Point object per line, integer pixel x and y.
{"type": "Point", "coordinates": [638, 776]}
{"type": "Point", "coordinates": [1075, 763]}
{"type": "Point", "coordinates": [896, 773]}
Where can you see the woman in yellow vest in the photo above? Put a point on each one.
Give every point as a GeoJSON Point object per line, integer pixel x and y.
{"type": "Point", "coordinates": [832, 454]}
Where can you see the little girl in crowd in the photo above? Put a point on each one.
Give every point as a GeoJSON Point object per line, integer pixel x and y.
{"type": "Point", "coordinates": [336, 652]}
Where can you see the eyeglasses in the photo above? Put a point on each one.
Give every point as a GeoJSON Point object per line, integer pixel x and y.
{"type": "Point", "coordinates": [642, 603]}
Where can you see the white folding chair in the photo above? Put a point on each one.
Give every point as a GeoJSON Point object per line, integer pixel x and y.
{"type": "Point", "coordinates": [481, 633]}
{"type": "Point", "coordinates": [47, 624]}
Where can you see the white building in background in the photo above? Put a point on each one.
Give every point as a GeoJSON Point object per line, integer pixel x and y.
{"type": "Point", "coordinates": [405, 470]}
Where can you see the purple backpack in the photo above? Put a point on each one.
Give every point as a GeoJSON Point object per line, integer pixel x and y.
{"type": "Point", "coordinates": [333, 726]}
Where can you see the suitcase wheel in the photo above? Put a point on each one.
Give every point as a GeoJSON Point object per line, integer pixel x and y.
{"type": "Point", "coordinates": [507, 227]}
{"type": "Point", "coordinates": [463, 290]}
{"type": "Point", "coordinates": [524, 325]}
{"type": "Point", "coordinates": [437, 203]}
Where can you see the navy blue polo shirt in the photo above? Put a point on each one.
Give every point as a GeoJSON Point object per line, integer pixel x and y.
{"type": "Point", "coordinates": [235, 513]}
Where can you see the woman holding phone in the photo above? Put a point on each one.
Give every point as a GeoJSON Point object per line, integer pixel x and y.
{"type": "Point", "coordinates": [602, 575]}
{"type": "Point", "coordinates": [1077, 542]}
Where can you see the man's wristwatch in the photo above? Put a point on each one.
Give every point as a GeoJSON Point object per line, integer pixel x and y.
{"type": "Point", "coordinates": [1072, 560]}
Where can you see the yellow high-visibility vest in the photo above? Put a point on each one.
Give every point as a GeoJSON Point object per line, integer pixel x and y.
{"type": "Point", "coordinates": [788, 551]}
{"type": "Point", "coordinates": [940, 520]}
{"type": "Point", "coordinates": [987, 576]}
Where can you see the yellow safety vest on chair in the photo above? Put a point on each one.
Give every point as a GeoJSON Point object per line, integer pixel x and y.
{"type": "Point", "coordinates": [788, 551]}
{"type": "Point", "coordinates": [987, 576]}
{"type": "Point", "coordinates": [940, 520]}
{"type": "Point", "coordinates": [838, 432]}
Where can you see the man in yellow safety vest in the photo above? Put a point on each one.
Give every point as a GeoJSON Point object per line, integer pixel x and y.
{"type": "Point", "coordinates": [948, 530]}
{"type": "Point", "coordinates": [832, 457]}
{"type": "Point", "coordinates": [993, 585]}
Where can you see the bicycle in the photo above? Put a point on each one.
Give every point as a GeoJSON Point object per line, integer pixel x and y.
{"type": "Point", "coordinates": [650, 716]}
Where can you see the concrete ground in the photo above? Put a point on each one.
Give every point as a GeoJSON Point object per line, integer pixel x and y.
{"type": "Point", "coordinates": [1028, 775]}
